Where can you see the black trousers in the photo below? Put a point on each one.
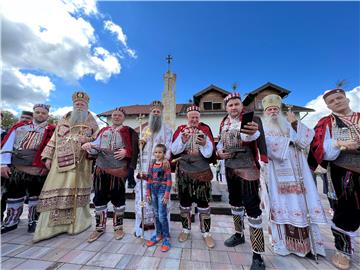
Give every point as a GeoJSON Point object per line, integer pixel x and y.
{"type": "Point", "coordinates": [4, 196]}
{"type": "Point", "coordinates": [347, 207]}
{"type": "Point", "coordinates": [243, 193]}
{"type": "Point", "coordinates": [109, 188]}
{"type": "Point", "coordinates": [21, 184]}
{"type": "Point", "coordinates": [193, 191]}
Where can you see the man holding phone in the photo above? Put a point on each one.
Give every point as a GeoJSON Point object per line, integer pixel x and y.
{"type": "Point", "coordinates": [241, 141]}
{"type": "Point", "coordinates": [193, 147]}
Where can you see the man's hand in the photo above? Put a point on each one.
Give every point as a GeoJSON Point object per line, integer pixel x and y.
{"type": "Point", "coordinates": [43, 172]}
{"type": "Point", "coordinates": [83, 139]}
{"type": "Point", "coordinates": [250, 128]}
{"type": "Point", "coordinates": [86, 146]}
{"type": "Point", "coordinates": [48, 164]}
{"type": "Point", "coordinates": [148, 198]}
{"type": "Point", "coordinates": [185, 137]}
{"type": "Point", "coordinates": [201, 140]}
{"type": "Point", "coordinates": [165, 200]}
{"type": "Point", "coordinates": [5, 171]}
{"type": "Point", "coordinates": [291, 117]}
{"type": "Point", "coordinates": [348, 145]}
{"type": "Point", "coordinates": [120, 154]}
{"type": "Point", "coordinates": [142, 143]}
{"type": "Point", "coordinates": [223, 154]}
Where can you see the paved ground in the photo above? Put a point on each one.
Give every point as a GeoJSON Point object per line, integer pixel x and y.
{"type": "Point", "coordinates": [73, 252]}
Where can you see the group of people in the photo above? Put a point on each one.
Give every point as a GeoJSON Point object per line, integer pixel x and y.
{"type": "Point", "coordinates": [269, 162]}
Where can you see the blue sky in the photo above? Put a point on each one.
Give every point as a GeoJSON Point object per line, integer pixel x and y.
{"type": "Point", "coordinates": [303, 46]}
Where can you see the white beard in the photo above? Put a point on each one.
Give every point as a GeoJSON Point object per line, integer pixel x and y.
{"type": "Point", "coordinates": [78, 117]}
{"type": "Point", "coordinates": [278, 124]}
{"type": "Point", "coordinates": [155, 123]}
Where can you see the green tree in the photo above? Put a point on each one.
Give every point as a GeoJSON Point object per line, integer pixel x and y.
{"type": "Point", "coordinates": [53, 119]}
{"type": "Point", "coordinates": [8, 119]}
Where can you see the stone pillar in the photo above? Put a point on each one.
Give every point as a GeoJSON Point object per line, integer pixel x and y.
{"type": "Point", "coordinates": [168, 99]}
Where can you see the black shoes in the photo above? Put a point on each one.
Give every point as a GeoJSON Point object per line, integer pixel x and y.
{"type": "Point", "coordinates": [310, 256]}
{"type": "Point", "coordinates": [234, 240]}
{"type": "Point", "coordinates": [8, 229]}
{"type": "Point", "coordinates": [257, 262]}
{"type": "Point", "coordinates": [31, 227]}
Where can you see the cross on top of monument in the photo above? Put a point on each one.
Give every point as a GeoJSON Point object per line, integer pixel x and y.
{"type": "Point", "coordinates": [169, 59]}
{"type": "Point", "coordinates": [234, 87]}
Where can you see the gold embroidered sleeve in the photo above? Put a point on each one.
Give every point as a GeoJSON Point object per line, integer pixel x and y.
{"type": "Point", "coordinates": [49, 149]}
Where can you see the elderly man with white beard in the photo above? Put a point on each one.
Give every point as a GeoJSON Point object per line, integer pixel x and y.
{"type": "Point", "coordinates": [290, 188]}
{"type": "Point", "coordinates": [64, 199]}
{"type": "Point", "coordinates": [156, 132]}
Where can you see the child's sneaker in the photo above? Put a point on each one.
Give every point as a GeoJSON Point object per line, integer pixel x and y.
{"type": "Point", "coordinates": [154, 239]}
{"type": "Point", "coordinates": [165, 245]}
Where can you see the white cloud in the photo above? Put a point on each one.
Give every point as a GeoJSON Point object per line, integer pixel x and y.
{"type": "Point", "coordinates": [321, 109]}
{"type": "Point", "coordinates": [50, 37]}
{"type": "Point", "coordinates": [60, 112]}
{"type": "Point", "coordinates": [118, 31]}
{"type": "Point", "coordinates": [23, 90]}
{"type": "Point", "coordinates": [87, 6]}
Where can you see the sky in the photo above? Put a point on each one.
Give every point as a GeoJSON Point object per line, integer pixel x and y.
{"type": "Point", "coordinates": [116, 50]}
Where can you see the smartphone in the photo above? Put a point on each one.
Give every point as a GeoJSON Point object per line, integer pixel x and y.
{"type": "Point", "coordinates": [247, 118]}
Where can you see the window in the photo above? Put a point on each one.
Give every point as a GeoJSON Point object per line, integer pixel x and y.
{"type": "Point", "coordinates": [216, 106]}
{"type": "Point", "coordinates": [259, 105]}
{"type": "Point", "coordinates": [208, 106]}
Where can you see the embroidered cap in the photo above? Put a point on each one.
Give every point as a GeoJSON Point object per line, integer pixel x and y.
{"type": "Point", "coordinates": [120, 109]}
{"type": "Point", "coordinates": [80, 96]}
{"type": "Point", "coordinates": [156, 104]}
{"type": "Point", "coordinates": [333, 91]}
{"type": "Point", "coordinates": [231, 96]}
{"type": "Point", "coordinates": [44, 106]}
{"type": "Point", "coordinates": [193, 108]}
{"type": "Point", "coordinates": [271, 101]}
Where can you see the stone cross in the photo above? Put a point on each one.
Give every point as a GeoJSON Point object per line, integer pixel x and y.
{"type": "Point", "coordinates": [169, 59]}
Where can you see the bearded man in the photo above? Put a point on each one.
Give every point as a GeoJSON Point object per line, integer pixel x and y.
{"type": "Point", "coordinates": [21, 164]}
{"type": "Point", "coordinates": [193, 146]}
{"type": "Point", "coordinates": [114, 149]}
{"type": "Point", "coordinates": [241, 148]}
{"type": "Point", "coordinates": [336, 148]}
{"type": "Point", "coordinates": [64, 199]}
{"type": "Point", "coordinates": [156, 132]}
{"type": "Point", "coordinates": [294, 204]}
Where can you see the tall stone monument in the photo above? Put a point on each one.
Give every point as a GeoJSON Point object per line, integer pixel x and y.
{"type": "Point", "coordinates": [168, 96]}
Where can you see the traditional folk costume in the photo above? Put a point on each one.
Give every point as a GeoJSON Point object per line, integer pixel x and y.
{"type": "Point", "coordinates": [21, 150]}
{"type": "Point", "coordinates": [110, 175]}
{"type": "Point", "coordinates": [242, 176]}
{"type": "Point", "coordinates": [64, 199]}
{"type": "Point", "coordinates": [290, 189]}
{"type": "Point", "coordinates": [194, 176]}
{"type": "Point", "coordinates": [343, 173]}
{"type": "Point", "coordinates": [163, 136]}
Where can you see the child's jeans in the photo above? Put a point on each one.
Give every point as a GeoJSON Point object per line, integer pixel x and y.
{"type": "Point", "coordinates": [160, 210]}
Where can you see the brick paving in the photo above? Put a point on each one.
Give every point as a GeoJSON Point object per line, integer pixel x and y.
{"type": "Point", "coordinates": [73, 252]}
